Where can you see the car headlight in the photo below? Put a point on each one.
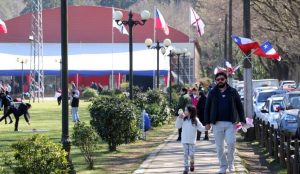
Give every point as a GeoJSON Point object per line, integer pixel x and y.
{"type": "Point", "coordinates": [290, 118]}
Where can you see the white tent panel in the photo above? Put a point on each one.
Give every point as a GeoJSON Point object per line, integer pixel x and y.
{"type": "Point", "coordinates": [83, 58]}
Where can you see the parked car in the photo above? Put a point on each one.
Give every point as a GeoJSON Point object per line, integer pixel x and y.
{"type": "Point", "coordinates": [258, 89]}
{"type": "Point", "coordinates": [289, 118]}
{"type": "Point", "coordinates": [289, 87]}
{"type": "Point", "coordinates": [298, 129]}
{"type": "Point", "coordinates": [270, 111]}
{"type": "Point", "coordinates": [289, 121]}
{"type": "Point", "coordinates": [261, 98]}
{"type": "Point", "coordinates": [282, 83]}
{"type": "Point", "coordinates": [291, 100]}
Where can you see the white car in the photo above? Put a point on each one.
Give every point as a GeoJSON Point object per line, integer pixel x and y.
{"type": "Point", "coordinates": [270, 111]}
{"type": "Point", "coordinates": [260, 99]}
{"type": "Point", "coordinates": [291, 82]}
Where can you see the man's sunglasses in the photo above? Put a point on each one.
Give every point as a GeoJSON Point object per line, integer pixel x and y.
{"type": "Point", "coordinates": [220, 79]}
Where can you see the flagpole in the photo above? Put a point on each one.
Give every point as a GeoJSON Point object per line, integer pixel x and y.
{"type": "Point", "coordinates": [154, 41]}
{"type": "Point", "coordinates": [189, 20]}
{"type": "Point", "coordinates": [112, 50]}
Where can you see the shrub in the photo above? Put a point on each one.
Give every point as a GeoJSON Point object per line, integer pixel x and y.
{"type": "Point", "coordinates": [140, 100]}
{"type": "Point", "coordinates": [125, 85]}
{"type": "Point", "coordinates": [115, 120]}
{"type": "Point", "coordinates": [111, 92]}
{"type": "Point", "coordinates": [154, 96]}
{"type": "Point", "coordinates": [37, 155]}
{"type": "Point", "coordinates": [85, 138]}
{"type": "Point", "coordinates": [89, 93]}
{"type": "Point", "coordinates": [157, 107]}
{"type": "Point", "coordinates": [3, 171]}
{"type": "Point", "coordinates": [107, 92]}
{"type": "Point", "coordinates": [175, 88]}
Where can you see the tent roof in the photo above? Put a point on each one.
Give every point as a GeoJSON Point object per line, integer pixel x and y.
{"type": "Point", "coordinates": [87, 24]}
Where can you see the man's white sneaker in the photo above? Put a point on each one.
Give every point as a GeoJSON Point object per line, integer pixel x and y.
{"type": "Point", "coordinates": [222, 171]}
{"type": "Point", "coordinates": [231, 169]}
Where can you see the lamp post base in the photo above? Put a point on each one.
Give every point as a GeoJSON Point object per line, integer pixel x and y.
{"type": "Point", "coordinates": [66, 142]}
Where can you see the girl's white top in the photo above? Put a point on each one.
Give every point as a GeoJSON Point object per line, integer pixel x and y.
{"type": "Point", "coordinates": [189, 131]}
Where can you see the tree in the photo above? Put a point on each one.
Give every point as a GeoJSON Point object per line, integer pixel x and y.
{"type": "Point", "coordinates": [280, 22]}
{"type": "Point", "coordinates": [46, 4]}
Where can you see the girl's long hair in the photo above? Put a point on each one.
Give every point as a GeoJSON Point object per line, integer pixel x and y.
{"type": "Point", "coordinates": [193, 113]}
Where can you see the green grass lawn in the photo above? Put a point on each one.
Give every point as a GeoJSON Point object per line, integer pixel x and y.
{"type": "Point", "coordinates": [47, 116]}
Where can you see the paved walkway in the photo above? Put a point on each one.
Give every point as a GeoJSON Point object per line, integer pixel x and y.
{"type": "Point", "coordinates": [168, 158]}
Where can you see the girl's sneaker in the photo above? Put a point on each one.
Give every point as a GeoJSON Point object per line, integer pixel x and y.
{"type": "Point", "coordinates": [192, 167]}
{"type": "Point", "coordinates": [186, 170]}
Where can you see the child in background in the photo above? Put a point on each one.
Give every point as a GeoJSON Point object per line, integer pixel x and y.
{"type": "Point", "coordinates": [189, 123]}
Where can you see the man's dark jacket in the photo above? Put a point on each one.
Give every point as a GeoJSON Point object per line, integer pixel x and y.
{"type": "Point", "coordinates": [237, 111]}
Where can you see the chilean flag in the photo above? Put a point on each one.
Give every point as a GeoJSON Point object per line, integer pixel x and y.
{"type": "Point", "coordinates": [3, 28]}
{"type": "Point", "coordinates": [245, 44]}
{"type": "Point", "coordinates": [266, 50]}
{"type": "Point", "coordinates": [160, 22]}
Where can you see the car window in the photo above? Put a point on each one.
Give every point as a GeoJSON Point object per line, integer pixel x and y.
{"type": "Point", "coordinates": [294, 101]}
{"type": "Point", "coordinates": [276, 103]}
{"type": "Point", "coordinates": [262, 97]}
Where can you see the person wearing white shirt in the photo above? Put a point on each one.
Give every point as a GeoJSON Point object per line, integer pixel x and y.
{"type": "Point", "coordinates": [189, 123]}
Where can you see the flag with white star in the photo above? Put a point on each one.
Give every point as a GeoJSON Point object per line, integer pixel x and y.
{"type": "Point", "coordinates": [266, 50]}
{"type": "Point", "coordinates": [245, 44]}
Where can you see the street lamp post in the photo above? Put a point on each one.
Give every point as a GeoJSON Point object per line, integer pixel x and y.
{"type": "Point", "coordinates": [178, 53]}
{"type": "Point", "coordinates": [145, 15]}
{"type": "Point", "coordinates": [158, 47]}
{"type": "Point", "coordinates": [22, 61]}
{"type": "Point", "coordinates": [65, 138]}
{"type": "Point", "coordinates": [185, 54]}
{"type": "Point", "coordinates": [171, 54]}
{"type": "Point", "coordinates": [32, 65]}
{"type": "Point", "coordinates": [58, 60]}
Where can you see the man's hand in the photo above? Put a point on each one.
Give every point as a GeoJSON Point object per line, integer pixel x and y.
{"type": "Point", "coordinates": [207, 127]}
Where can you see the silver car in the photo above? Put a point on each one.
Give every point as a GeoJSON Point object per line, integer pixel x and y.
{"type": "Point", "coordinates": [289, 121]}
{"type": "Point", "coordinates": [261, 98]}
{"type": "Point", "coordinates": [270, 111]}
{"type": "Point", "coordinates": [290, 117]}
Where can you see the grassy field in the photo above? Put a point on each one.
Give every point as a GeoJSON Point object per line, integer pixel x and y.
{"type": "Point", "coordinates": [47, 116]}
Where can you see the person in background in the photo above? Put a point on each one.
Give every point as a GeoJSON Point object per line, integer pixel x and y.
{"type": "Point", "coordinates": [194, 97]}
{"type": "Point", "coordinates": [183, 101]}
{"type": "Point", "coordinates": [200, 113]}
{"type": "Point", "coordinates": [74, 99]}
{"type": "Point", "coordinates": [58, 96]}
{"type": "Point", "coordinates": [7, 103]}
{"type": "Point", "coordinates": [75, 105]}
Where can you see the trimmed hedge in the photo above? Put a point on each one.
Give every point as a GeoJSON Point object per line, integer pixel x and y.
{"type": "Point", "coordinates": [115, 120]}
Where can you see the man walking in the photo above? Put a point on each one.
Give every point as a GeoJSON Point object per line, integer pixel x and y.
{"type": "Point", "coordinates": [223, 110]}
{"type": "Point", "coordinates": [18, 112]}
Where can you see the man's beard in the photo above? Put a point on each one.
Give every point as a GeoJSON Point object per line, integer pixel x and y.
{"type": "Point", "coordinates": [221, 85]}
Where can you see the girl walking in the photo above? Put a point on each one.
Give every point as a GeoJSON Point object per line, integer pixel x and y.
{"type": "Point", "coordinates": [189, 123]}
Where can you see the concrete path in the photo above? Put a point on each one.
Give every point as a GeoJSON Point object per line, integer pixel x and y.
{"type": "Point", "coordinates": [168, 158]}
